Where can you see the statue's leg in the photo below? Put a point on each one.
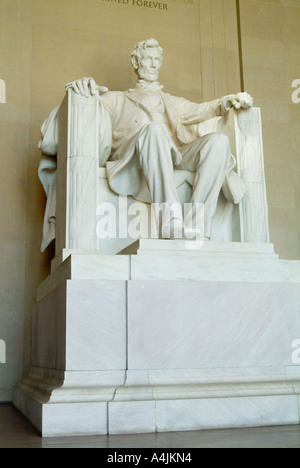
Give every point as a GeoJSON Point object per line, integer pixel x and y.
{"type": "Point", "coordinates": [209, 157]}
{"type": "Point", "coordinates": [154, 149]}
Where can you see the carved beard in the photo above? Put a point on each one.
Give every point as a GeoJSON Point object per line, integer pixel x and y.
{"type": "Point", "coordinates": [144, 75]}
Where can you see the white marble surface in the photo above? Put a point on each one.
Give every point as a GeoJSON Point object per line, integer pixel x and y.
{"type": "Point", "coordinates": [172, 414]}
{"type": "Point", "coordinates": [198, 414]}
{"type": "Point", "coordinates": [132, 417]}
{"type": "Point", "coordinates": [230, 382]}
{"type": "Point", "coordinates": [220, 268]}
{"type": "Point", "coordinates": [178, 384]}
{"type": "Point", "coordinates": [55, 386]}
{"type": "Point", "coordinates": [196, 325]}
{"type": "Point", "coordinates": [75, 419]}
{"type": "Point", "coordinates": [96, 325]}
{"type": "Point", "coordinates": [226, 413]}
{"type": "Point", "coordinates": [126, 356]}
{"type": "Point", "coordinates": [49, 331]}
{"type": "Point", "coordinates": [119, 402]}
{"type": "Point", "coordinates": [83, 266]}
{"type": "Point", "coordinates": [63, 419]}
{"type": "Point", "coordinates": [81, 325]}
{"type": "Point", "coordinates": [204, 249]}
{"type": "Point", "coordinates": [175, 261]}
{"type": "Point", "coordinates": [52, 386]}
{"type": "Point", "coordinates": [253, 208]}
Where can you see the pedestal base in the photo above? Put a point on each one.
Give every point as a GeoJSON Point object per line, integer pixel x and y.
{"type": "Point", "coordinates": [114, 352]}
{"type": "Point", "coordinates": [158, 401]}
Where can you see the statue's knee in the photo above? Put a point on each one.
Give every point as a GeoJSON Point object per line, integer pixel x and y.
{"type": "Point", "coordinates": [219, 140]}
{"type": "Point", "coordinates": [219, 148]}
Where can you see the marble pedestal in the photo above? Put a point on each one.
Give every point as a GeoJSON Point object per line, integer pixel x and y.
{"type": "Point", "coordinates": [169, 338]}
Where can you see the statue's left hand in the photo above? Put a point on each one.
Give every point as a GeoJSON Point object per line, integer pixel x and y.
{"type": "Point", "coordinates": [86, 87]}
{"type": "Point", "coordinates": [237, 101]}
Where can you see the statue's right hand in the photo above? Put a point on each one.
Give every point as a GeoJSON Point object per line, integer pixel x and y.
{"type": "Point", "coordinates": [85, 87]}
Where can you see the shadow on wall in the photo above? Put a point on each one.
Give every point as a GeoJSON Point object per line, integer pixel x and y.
{"type": "Point", "coordinates": [2, 92]}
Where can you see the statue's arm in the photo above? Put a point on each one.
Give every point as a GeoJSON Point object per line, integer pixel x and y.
{"type": "Point", "coordinates": [193, 113]}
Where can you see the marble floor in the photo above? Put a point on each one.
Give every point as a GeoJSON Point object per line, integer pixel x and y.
{"type": "Point", "coordinates": [17, 432]}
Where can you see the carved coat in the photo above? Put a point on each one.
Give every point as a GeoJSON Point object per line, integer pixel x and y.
{"type": "Point", "coordinates": [129, 115]}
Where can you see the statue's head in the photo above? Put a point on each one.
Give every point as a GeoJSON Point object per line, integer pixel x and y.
{"type": "Point", "coordinates": [147, 59]}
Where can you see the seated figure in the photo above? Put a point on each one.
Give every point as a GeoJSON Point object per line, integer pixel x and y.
{"type": "Point", "coordinates": [149, 134]}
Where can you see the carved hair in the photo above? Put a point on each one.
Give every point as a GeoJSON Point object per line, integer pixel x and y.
{"type": "Point", "coordinates": [136, 54]}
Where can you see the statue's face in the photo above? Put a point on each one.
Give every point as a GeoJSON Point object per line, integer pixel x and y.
{"type": "Point", "coordinates": [150, 64]}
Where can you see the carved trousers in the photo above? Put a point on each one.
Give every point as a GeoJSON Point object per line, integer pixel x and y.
{"type": "Point", "coordinates": [207, 156]}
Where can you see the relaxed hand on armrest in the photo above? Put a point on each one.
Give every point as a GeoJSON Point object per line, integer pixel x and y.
{"type": "Point", "coordinates": [237, 101]}
{"type": "Point", "coordinates": [85, 87]}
